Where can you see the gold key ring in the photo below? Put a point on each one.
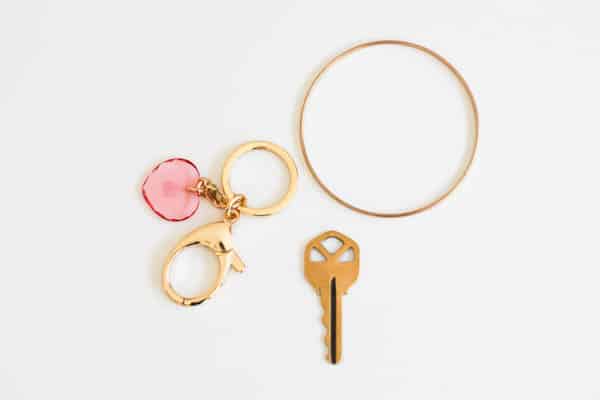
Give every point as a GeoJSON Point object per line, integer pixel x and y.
{"type": "Point", "coordinates": [217, 236]}
{"type": "Point", "coordinates": [461, 173]}
{"type": "Point", "coordinates": [283, 156]}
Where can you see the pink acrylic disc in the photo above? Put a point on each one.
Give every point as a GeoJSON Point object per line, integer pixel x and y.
{"type": "Point", "coordinates": [165, 189]}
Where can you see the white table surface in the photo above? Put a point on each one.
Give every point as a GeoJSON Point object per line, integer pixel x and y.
{"type": "Point", "coordinates": [491, 295]}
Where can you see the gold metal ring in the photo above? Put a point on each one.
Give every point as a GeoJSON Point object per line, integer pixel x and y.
{"type": "Point", "coordinates": [468, 160]}
{"type": "Point", "coordinates": [283, 156]}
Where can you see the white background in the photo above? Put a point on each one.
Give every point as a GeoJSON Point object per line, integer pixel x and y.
{"type": "Point", "coordinates": [492, 295]}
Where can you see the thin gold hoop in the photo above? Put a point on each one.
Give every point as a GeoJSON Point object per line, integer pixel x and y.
{"type": "Point", "coordinates": [283, 156]}
{"type": "Point", "coordinates": [468, 160]}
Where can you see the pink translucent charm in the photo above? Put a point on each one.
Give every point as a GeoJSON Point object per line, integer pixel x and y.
{"type": "Point", "coordinates": [165, 189]}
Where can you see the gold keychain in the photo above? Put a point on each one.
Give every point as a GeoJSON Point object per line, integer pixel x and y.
{"type": "Point", "coordinates": [173, 189]}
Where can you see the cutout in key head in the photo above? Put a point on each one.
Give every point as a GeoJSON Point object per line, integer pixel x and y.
{"type": "Point", "coordinates": [338, 251]}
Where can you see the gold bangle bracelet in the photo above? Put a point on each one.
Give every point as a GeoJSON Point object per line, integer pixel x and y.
{"type": "Point", "coordinates": [468, 159]}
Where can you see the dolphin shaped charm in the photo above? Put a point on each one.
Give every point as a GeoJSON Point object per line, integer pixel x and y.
{"type": "Point", "coordinates": [217, 238]}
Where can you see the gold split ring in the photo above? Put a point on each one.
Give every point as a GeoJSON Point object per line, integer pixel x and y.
{"type": "Point", "coordinates": [282, 155]}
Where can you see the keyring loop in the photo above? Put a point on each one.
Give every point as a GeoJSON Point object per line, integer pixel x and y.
{"type": "Point", "coordinates": [468, 160]}
{"type": "Point", "coordinates": [283, 156]}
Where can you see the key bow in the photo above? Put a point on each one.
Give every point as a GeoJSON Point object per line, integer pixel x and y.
{"type": "Point", "coordinates": [320, 273]}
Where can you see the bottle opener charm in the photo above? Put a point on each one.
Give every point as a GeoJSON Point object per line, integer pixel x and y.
{"type": "Point", "coordinates": [173, 190]}
{"type": "Point", "coordinates": [332, 277]}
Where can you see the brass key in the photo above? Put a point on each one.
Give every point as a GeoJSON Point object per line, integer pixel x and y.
{"type": "Point", "coordinates": [332, 277]}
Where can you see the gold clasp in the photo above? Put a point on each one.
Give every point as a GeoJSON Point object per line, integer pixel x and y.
{"type": "Point", "coordinates": [217, 238]}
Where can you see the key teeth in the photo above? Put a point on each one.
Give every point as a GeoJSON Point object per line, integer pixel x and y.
{"type": "Point", "coordinates": [327, 336]}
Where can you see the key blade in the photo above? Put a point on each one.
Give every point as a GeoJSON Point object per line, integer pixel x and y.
{"type": "Point", "coordinates": [335, 323]}
{"type": "Point", "coordinates": [331, 302]}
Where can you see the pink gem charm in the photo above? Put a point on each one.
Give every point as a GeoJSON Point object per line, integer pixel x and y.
{"type": "Point", "coordinates": [165, 189]}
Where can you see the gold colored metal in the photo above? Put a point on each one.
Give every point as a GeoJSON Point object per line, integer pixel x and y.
{"type": "Point", "coordinates": [207, 189]}
{"type": "Point", "coordinates": [216, 237]}
{"type": "Point", "coordinates": [468, 160]}
{"type": "Point", "coordinates": [332, 278]}
{"type": "Point", "coordinates": [279, 152]}
{"type": "Point", "coordinates": [233, 208]}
